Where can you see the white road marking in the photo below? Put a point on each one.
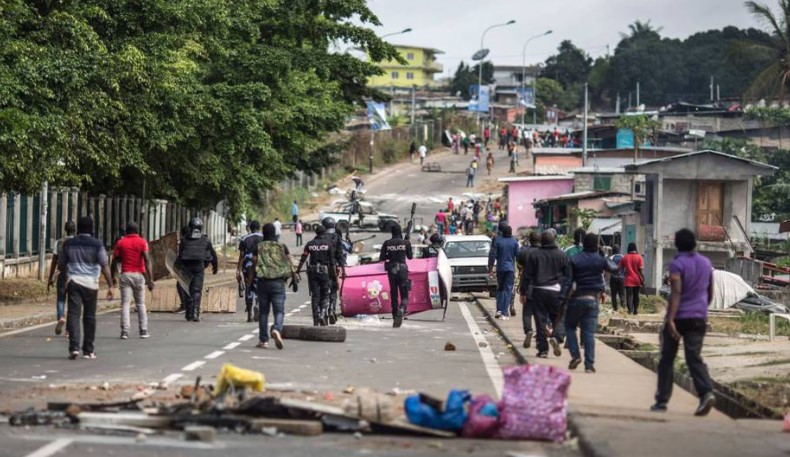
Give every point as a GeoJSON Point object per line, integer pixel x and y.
{"type": "Point", "coordinates": [256, 331]}
{"type": "Point", "coordinates": [304, 306]}
{"type": "Point", "coordinates": [172, 378]}
{"type": "Point", "coordinates": [489, 360]}
{"type": "Point", "coordinates": [51, 448]}
{"type": "Point", "coordinates": [247, 337]}
{"type": "Point", "coordinates": [214, 355]}
{"type": "Point", "coordinates": [194, 365]}
{"type": "Point", "coordinates": [232, 345]}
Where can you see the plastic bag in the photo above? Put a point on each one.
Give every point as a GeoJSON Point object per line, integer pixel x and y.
{"type": "Point", "coordinates": [237, 377]}
{"type": "Point", "coordinates": [483, 419]}
{"type": "Point", "coordinates": [452, 418]}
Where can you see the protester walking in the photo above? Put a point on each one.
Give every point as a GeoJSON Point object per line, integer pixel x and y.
{"type": "Point", "coordinates": [423, 153]}
{"type": "Point", "coordinates": [83, 258]}
{"type": "Point", "coordinates": [299, 230]}
{"type": "Point", "coordinates": [60, 287]}
{"type": "Point", "coordinates": [272, 269]}
{"type": "Point", "coordinates": [412, 151]}
{"type": "Point", "coordinates": [440, 219]}
{"type": "Point", "coordinates": [527, 312]}
{"type": "Point", "coordinates": [278, 229]}
{"type": "Point", "coordinates": [634, 278]}
{"type": "Point", "coordinates": [470, 175]}
{"type": "Point", "coordinates": [546, 269]}
{"type": "Point", "coordinates": [586, 273]}
{"type": "Point", "coordinates": [245, 267]}
{"type": "Point", "coordinates": [616, 279]}
{"type": "Point", "coordinates": [504, 250]}
{"type": "Point", "coordinates": [294, 212]}
{"type": "Point", "coordinates": [691, 280]}
{"type": "Point", "coordinates": [131, 252]}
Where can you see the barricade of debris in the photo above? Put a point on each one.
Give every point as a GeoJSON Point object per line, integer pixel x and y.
{"type": "Point", "coordinates": [238, 403]}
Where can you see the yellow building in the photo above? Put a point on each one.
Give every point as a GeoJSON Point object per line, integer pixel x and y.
{"type": "Point", "coordinates": [418, 71]}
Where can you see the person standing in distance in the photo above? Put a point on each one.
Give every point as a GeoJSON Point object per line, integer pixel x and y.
{"type": "Point", "coordinates": [632, 266]}
{"type": "Point", "coordinates": [321, 254]}
{"type": "Point", "coordinates": [298, 230]}
{"type": "Point", "coordinates": [60, 305]}
{"type": "Point", "coordinates": [423, 153]}
{"type": "Point", "coordinates": [196, 253]}
{"type": "Point", "coordinates": [83, 258]}
{"type": "Point", "coordinates": [394, 253]}
{"type": "Point", "coordinates": [295, 212]}
{"type": "Point", "coordinates": [131, 252]}
{"type": "Point", "coordinates": [691, 279]}
{"type": "Point", "coordinates": [278, 228]}
{"type": "Point", "coordinates": [247, 248]}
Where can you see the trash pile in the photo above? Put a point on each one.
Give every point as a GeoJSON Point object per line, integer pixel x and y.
{"type": "Point", "coordinates": [534, 406]}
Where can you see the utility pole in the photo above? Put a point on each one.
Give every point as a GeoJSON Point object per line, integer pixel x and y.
{"type": "Point", "coordinates": [629, 100]}
{"type": "Point", "coordinates": [637, 94]}
{"type": "Point", "coordinates": [584, 131]}
{"type": "Point", "coordinates": [413, 97]}
{"type": "Point", "coordinates": [711, 88]}
{"type": "Point", "coordinates": [372, 145]}
{"type": "Point", "coordinates": [42, 232]}
{"type": "Point", "coordinates": [480, 69]}
{"type": "Point", "coordinates": [718, 93]}
{"type": "Point", "coordinates": [617, 104]}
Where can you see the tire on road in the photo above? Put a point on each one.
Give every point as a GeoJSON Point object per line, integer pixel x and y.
{"type": "Point", "coordinates": [328, 334]}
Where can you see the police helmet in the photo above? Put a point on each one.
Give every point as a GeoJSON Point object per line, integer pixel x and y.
{"type": "Point", "coordinates": [436, 239]}
{"type": "Point", "coordinates": [328, 223]}
{"type": "Point", "coordinates": [320, 230]}
{"type": "Point", "coordinates": [195, 224]}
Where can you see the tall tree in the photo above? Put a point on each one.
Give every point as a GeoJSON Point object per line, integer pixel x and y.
{"type": "Point", "coordinates": [466, 76]}
{"type": "Point", "coordinates": [569, 66]}
{"type": "Point", "coordinates": [774, 79]}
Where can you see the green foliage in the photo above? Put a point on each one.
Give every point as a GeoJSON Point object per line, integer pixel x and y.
{"type": "Point", "coordinates": [774, 76]}
{"type": "Point", "coordinates": [583, 216]}
{"type": "Point", "coordinates": [570, 66]}
{"type": "Point", "coordinates": [643, 127]}
{"type": "Point", "coordinates": [198, 100]}
{"type": "Point", "coordinates": [466, 76]}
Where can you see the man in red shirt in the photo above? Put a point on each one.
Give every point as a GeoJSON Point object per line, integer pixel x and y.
{"type": "Point", "coordinates": [131, 252]}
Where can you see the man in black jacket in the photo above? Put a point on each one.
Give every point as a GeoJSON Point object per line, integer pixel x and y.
{"type": "Point", "coordinates": [196, 253]}
{"type": "Point", "coordinates": [394, 253]}
{"type": "Point", "coordinates": [527, 310]}
{"type": "Point", "coordinates": [546, 270]}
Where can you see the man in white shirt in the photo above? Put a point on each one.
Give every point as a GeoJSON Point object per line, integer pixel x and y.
{"type": "Point", "coordinates": [278, 229]}
{"type": "Point", "coordinates": [423, 153]}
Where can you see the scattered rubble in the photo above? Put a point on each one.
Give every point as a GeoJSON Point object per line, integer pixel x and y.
{"type": "Point", "coordinates": [449, 346]}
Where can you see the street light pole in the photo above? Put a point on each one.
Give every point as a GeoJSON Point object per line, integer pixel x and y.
{"type": "Point", "coordinates": [524, 78]}
{"type": "Point", "coordinates": [480, 66]}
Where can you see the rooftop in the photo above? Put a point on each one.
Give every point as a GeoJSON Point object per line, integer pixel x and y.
{"type": "Point", "coordinates": [765, 166]}
{"type": "Point", "coordinates": [578, 196]}
{"type": "Point", "coordinates": [414, 46]}
{"type": "Point", "coordinates": [535, 178]}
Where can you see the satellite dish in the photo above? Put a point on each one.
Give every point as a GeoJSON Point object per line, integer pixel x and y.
{"type": "Point", "coordinates": [481, 54]}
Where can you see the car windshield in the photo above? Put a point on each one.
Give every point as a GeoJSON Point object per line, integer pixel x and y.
{"type": "Point", "coordinates": [460, 249]}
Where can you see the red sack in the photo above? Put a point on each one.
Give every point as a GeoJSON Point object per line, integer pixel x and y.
{"type": "Point", "coordinates": [480, 425]}
{"type": "Point", "coordinates": [534, 403]}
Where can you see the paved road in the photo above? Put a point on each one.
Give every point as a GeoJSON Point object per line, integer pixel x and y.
{"type": "Point", "coordinates": [374, 355]}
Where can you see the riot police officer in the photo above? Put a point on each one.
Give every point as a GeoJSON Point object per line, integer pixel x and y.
{"type": "Point", "coordinates": [321, 253]}
{"type": "Point", "coordinates": [340, 261]}
{"type": "Point", "coordinates": [433, 249]}
{"type": "Point", "coordinates": [394, 253]}
{"type": "Point", "coordinates": [195, 253]}
{"type": "Point", "coordinates": [248, 246]}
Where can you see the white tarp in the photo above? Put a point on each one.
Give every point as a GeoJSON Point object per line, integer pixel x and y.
{"type": "Point", "coordinates": [728, 289]}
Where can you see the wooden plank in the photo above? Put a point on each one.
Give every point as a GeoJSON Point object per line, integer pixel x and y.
{"type": "Point", "coordinates": [290, 426]}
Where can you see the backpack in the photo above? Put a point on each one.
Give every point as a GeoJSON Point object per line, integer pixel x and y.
{"type": "Point", "coordinates": [273, 262]}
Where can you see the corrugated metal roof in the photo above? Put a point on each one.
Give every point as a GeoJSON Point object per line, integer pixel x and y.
{"type": "Point", "coordinates": [605, 225]}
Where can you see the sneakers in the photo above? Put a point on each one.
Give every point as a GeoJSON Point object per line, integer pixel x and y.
{"type": "Point", "coordinates": [543, 355]}
{"type": "Point", "coordinates": [504, 318]}
{"type": "Point", "coordinates": [73, 355]}
{"type": "Point", "coordinates": [528, 340]}
{"type": "Point", "coordinates": [706, 403]}
{"type": "Point", "coordinates": [124, 335]}
{"type": "Point", "coordinates": [180, 310]}
{"type": "Point", "coordinates": [574, 363]}
{"type": "Point", "coordinates": [278, 340]}
{"type": "Point", "coordinates": [59, 326]}
{"type": "Point", "coordinates": [90, 356]}
{"type": "Point", "coordinates": [196, 319]}
{"type": "Point", "coordinates": [144, 334]}
{"type": "Point", "coordinates": [589, 370]}
{"type": "Point", "coordinates": [555, 346]}
{"type": "Point", "coordinates": [262, 345]}
{"type": "Point", "coordinates": [659, 408]}
{"type": "Point", "coordinates": [498, 315]}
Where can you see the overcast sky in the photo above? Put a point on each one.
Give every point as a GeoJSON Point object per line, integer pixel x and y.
{"type": "Point", "coordinates": [455, 26]}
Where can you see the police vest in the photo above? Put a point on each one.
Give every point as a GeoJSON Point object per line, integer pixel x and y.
{"type": "Point", "coordinates": [194, 249]}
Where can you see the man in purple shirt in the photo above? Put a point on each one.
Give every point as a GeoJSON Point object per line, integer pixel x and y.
{"type": "Point", "coordinates": [691, 277]}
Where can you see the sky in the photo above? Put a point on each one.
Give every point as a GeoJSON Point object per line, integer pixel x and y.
{"type": "Point", "coordinates": [455, 26]}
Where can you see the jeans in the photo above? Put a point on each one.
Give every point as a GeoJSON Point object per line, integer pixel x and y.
{"type": "Point", "coordinates": [692, 331]}
{"type": "Point", "coordinates": [298, 239]}
{"type": "Point", "coordinates": [470, 180]}
{"type": "Point", "coordinates": [582, 312]}
{"type": "Point", "coordinates": [60, 305]}
{"type": "Point", "coordinates": [133, 284]}
{"type": "Point", "coordinates": [440, 228]}
{"type": "Point", "coordinates": [617, 289]}
{"type": "Point", "coordinates": [82, 303]}
{"type": "Point", "coordinates": [632, 299]}
{"type": "Point", "coordinates": [504, 291]}
{"type": "Point", "coordinates": [271, 297]}
{"type": "Point", "coordinates": [548, 309]}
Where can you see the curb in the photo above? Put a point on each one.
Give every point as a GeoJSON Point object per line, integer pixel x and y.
{"type": "Point", "coordinates": [30, 322]}
{"type": "Point", "coordinates": [516, 353]}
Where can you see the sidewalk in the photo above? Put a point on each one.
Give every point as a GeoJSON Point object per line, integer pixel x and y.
{"type": "Point", "coordinates": [608, 410]}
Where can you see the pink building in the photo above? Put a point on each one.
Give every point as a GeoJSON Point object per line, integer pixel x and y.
{"type": "Point", "coordinates": [522, 191]}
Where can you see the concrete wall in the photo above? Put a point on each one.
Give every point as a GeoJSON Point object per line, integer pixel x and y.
{"type": "Point", "coordinates": [522, 194]}
{"type": "Point", "coordinates": [621, 182]}
{"type": "Point", "coordinates": [678, 206]}
{"type": "Point", "coordinates": [554, 165]}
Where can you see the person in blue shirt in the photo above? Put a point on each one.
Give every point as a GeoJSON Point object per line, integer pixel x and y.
{"type": "Point", "coordinates": [504, 250]}
{"type": "Point", "coordinates": [295, 212]}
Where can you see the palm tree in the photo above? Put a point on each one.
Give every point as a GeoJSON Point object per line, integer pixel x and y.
{"type": "Point", "coordinates": [773, 80]}
{"type": "Point", "coordinates": [641, 29]}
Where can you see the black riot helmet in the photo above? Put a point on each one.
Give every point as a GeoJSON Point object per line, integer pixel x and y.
{"type": "Point", "coordinates": [328, 223]}
{"type": "Point", "coordinates": [195, 227]}
{"type": "Point", "coordinates": [436, 239]}
{"type": "Point", "coordinates": [320, 230]}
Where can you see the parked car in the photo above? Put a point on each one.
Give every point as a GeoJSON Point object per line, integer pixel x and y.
{"type": "Point", "coordinates": [468, 257]}
{"type": "Point", "coordinates": [366, 218]}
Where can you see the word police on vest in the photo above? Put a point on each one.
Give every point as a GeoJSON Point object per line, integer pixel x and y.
{"type": "Point", "coordinates": [318, 247]}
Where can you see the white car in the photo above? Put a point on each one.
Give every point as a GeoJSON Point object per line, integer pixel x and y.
{"type": "Point", "coordinates": [468, 258]}
{"type": "Point", "coordinates": [371, 219]}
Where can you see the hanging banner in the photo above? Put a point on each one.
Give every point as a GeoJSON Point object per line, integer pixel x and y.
{"type": "Point", "coordinates": [377, 115]}
{"type": "Point", "coordinates": [526, 97]}
{"type": "Point", "coordinates": [480, 99]}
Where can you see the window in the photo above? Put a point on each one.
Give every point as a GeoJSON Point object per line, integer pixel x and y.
{"type": "Point", "coordinates": [602, 183]}
{"type": "Point", "coordinates": [395, 75]}
{"type": "Point", "coordinates": [639, 188]}
{"type": "Point", "coordinates": [410, 56]}
{"type": "Point", "coordinates": [409, 75]}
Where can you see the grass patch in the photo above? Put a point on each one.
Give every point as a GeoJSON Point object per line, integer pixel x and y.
{"type": "Point", "coordinates": [15, 291]}
{"type": "Point", "coordinates": [652, 304]}
{"type": "Point", "coordinates": [647, 347]}
{"type": "Point", "coordinates": [749, 323]}
{"type": "Point", "coordinates": [769, 391]}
